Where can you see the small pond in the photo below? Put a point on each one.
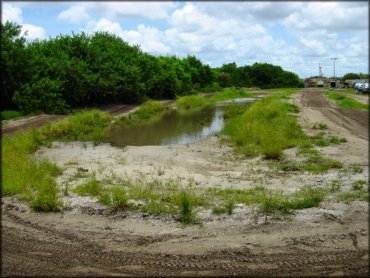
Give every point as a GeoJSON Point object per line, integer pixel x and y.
{"type": "Point", "coordinates": [176, 126]}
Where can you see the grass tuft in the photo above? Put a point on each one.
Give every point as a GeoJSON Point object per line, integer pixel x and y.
{"type": "Point", "coordinates": [91, 188]}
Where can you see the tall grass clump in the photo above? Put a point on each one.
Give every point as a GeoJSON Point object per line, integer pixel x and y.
{"type": "Point", "coordinates": [190, 102]}
{"type": "Point", "coordinates": [266, 128]}
{"type": "Point", "coordinates": [149, 110]}
{"type": "Point", "coordinates": [90, 188]}
{"type": "Point", "coordinates": [185, 202]}
{"type": "Point", "coordinates": [24, 177]}
{"type": "Point", "coordinates": [86, 126]}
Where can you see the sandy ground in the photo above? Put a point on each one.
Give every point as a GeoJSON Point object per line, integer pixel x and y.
{"type": "Point", "coordinates": [89, 240]}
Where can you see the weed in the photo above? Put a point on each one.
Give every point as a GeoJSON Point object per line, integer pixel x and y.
{"type": "Point", "coordinates": [334, 185]}
{"type": "Point", "coordinates": [308, 152]}
{"type": "Point", "coordinates": [118, 198]}
{"type": "Point", "coordinates": [219, 210]}
{"type": "Point", "coordinates": [359, 184]}
{"type": "Point", "coordinates": [337, 140]}
{"type": "Point", "coordinates": [229, 206]}
{"type": "Point", "coordinates": [46, 198]}
{"type": "Point", "coordinates": [71, 163]}
{"type": "Point", "coordinates": [356, 169]}
{"type": "Point", "coordinates": [320, 126]}
{"type": "Point", "coordinates": [92, 188]}
{"type": "Point", "coordinates": [160, 172]}
{"type": "Point", "coordinates": [185, 201]}
{"type": "Point", "coordinates": [347, 197]}
{"type": "Point", "coordinates": [158, 207]}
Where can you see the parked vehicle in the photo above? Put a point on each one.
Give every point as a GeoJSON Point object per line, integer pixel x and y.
{"type": "Point", "coordinates": [365, 88]}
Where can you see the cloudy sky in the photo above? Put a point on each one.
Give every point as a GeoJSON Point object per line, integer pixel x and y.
{"type": "Point", "coordinates": [295, 35]}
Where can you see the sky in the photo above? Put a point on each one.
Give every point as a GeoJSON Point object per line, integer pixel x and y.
{"type": "Point", "coordinates": [296, 35]}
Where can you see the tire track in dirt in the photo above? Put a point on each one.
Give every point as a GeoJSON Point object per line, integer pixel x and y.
{"type": "Point", "coordinates": [356, 121]}
{"type": "Point", "coordinates": [70, 254]}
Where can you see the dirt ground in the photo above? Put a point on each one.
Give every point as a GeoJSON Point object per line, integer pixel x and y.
{"type": "Point", "coordinates": [89, 240]}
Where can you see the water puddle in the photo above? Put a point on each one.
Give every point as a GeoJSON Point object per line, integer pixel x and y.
{"type": "Point", "coordinates": [176, 127]}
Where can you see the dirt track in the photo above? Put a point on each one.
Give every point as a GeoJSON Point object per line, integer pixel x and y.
{"type": "Point", "coordinates": [328, 241]}
{"type": "Point", "coordinates": [357, 121]}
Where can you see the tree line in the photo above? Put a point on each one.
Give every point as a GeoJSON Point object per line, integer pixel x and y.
{"type": "Point", "coordinates": [78, 70]}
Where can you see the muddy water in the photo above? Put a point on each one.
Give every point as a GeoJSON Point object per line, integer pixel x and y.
{"type": "Point", "coordinates": [176, 127]}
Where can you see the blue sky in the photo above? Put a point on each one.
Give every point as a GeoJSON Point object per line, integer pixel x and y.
{"type": "Point", "coordinates": [295, 35]}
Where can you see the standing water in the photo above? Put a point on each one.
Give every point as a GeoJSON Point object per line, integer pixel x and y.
{"type": "Point", "coordinates": [175, 127]}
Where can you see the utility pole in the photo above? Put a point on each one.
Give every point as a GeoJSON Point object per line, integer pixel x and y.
{"type": "Point", "coordinates": [320, 72]}
{"type": "Point", "coordinates": [334, 58]}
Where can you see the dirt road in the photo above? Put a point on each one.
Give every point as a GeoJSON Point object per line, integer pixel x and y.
{"type": "Point", "coordinates": [357, 121]}
{"type": "Point", "coordinates": [330, 240]}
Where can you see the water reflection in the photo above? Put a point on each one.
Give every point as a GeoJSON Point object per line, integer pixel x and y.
{"type": "Point", "coordinates": [175, 127]}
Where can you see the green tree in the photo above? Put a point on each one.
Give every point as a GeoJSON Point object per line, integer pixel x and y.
{"type": "Point", "coordinates": [14, 63]}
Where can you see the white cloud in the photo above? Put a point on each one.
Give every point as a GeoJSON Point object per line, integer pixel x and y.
{"type": "Point", "coordinates": [268, 11]}
{"type": "Point", "coordinates": [115, 10]}
{"type": "Point", "coordinates": [150, 39]}
{"type": "Point", "coordinates": [14, 14]}
{"type": "Point", "coordinates": [32, 32]}
{"type": "Point", "coordinates": [11, 13]}
{"type": "Point", "coordinates": [331, 16]}
{"type": "Point", "coordinates": [75, 14]}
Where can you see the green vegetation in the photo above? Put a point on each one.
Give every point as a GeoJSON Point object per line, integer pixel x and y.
{"type": "Point", "coordinates": [186, 204]}
{"type": "Point", "coordinates": [190, 102]}
{"type": "Point", "coordinates": [86, 126]}
{"type": "Point", "coordinates": [230, 93]}
{"type": "Point", "coordinates": [10, 114]}
{"type": "Point", "coordinates": [322, 140]}
{"type": "Point", "coordinates": [320, 126]}
{"type": "Point", "coordinates": [269, 201]}
{"type": "Point", "coordinates": [267, 128]}
{"type": "Point", "coordinates": [26, 178]}
{"type": "Point", "coordinates": [313, 163]}
{"type": "Point", "coordinates": [257, 75]}
{"type": "Point", "coordinates": [82, 70]}
{"type": "Point", "coordinates": [347, 197]}
{"type": "Point", "coordinates": [194, 101]}
{"type": "Point", "coordinates": [352, 75]}
{"type": "Point", "coordinates": [359, 184]}
{"type": "Point", "coordinates": [346, 102]}
{"type": "Point", "coordinates": [91, 188]}
{"type": "Point", "coordinates": [149, 110]}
